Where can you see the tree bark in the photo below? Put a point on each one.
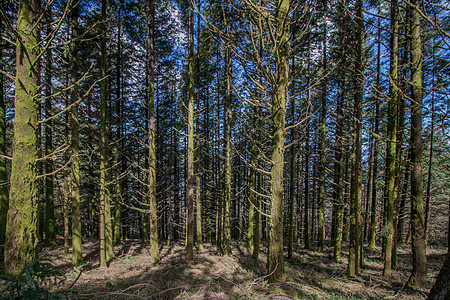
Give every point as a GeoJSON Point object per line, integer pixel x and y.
{"type": "Point", "coordinates": [154, 240]}
{"type": "Point", "coordinates": [441, 288]}
{"type": "Point", "coordinates": [339, 173]}
{"type": "Point", "coordinates": [292, 156]}
{"type": "Point", "coordinates": [323, 124]}
{"type": "Point", "coordinates": [49, 225]}
{"type": "Point", "coordinates": [74, 144]}
{"type": "Point", "coordinates": [190, 146]}
{"type": "Point", "coordinates": [418, 276]}
{"type": "Point", "coordinates": [391, 149]}
{"type": "Point", "coordinates": [21, 229]}
{"type": "Point", "coordinates": [275, 258]}
{"type": "Point", "coordinates": [374, 194]}
{"type": "Point", "coordinates": [306, 240]}
{"type": "Point", "coordinates": [229, 119]}
{"type": "Point", "coordinates": [105, 240]}
{"type": "Point", "coordinates": [356, 179]}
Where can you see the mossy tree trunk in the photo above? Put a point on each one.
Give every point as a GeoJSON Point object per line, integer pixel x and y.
{"type": "Point", "coordinates": [391, 147]}
{"type": "Point", "coordinates": [21, 231]}
{"type": "Point", "coordinates": [49, 225]}
{"type": "Point", "coordinates": [418, 278]}
{"type": "Point", "coordinates": [154, 240]}
{"type": "Point", "coordinates": [338, 192]}
{"type": "Point", "coordinates": [207, 174]}
{"type": "Point", "coordinates": [339, 174]}
{"type": "Point", "coordinates": [105, 225]}
{"type": "Point", "coordinates": [74, 187]}
{"type": "Point", "coordinates": [190, 145]}
{"type": "Point", "coordinates": [292, 156]}
{"type": "Point", "coordinates": [356, 179]}
{"type": "Point", "coordinates": [430, 158]}
{"type": "Point", "coordinates": [119, 149]}
{"type": "Point", "coordinates": [252, 189]}
{"type": "Point", "coordinates": [323, 123]}
{"type": "Point", "coordinates": [198, 177]}
{"type": "Point", "coordinates": [257, 228]}
{"type": "Point", "coordinates": [307, 155]}
{"type": "Point", "coordinates": [403, 96]}
{"type": "Point", "coordinates": [275, 256]}
{"type": "Point", "coordinates": [374, 187]}
{"type": "Point", "coordinates": [404, 193]}
{"type": "Point", "coordinates": [66, 203]}
{"type": "Point", "coordinates": [228, 156]}
{"type": "Point", "coordinates": [227, 199]}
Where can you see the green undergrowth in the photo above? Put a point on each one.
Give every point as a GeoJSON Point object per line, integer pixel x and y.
{"type": "Point", "coordinates": [37, 280]}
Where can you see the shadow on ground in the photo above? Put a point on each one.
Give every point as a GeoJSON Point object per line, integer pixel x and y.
{"type": "Point", "coordinates": [210, 275]}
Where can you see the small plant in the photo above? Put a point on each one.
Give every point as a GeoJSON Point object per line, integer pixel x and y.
{"type": "Point", "coordinates": [35, 281]}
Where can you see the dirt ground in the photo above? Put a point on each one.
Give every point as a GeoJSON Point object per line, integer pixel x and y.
{"type": "Point", "coordinates": [310, 275]}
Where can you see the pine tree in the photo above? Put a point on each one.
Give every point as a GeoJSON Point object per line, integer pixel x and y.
{"type": "Point", "coordinates": [190, 145]}
{"type": "Point", "coordinates": [391, 148]}
{"type": "Point", "coordinates": [323, 122]}
{"type": "Point", "coordinates": [418, 276]}
{"type": "Point", "coordinates": [49, 225]}
{"type": "Point", "coordinates": [74, 181]}
{"type": "Point", "coordinates": [374, 187]}
{"type": "Point", "coordinates": [154, 240]}
{"type": "Point", "coordinates": [356, 179]}
{"type": "Point", "coordinates": [21, 232]}
{"type": "Point", "coordinates": [103, 142]}
{"type": "Point", "coordinates": [275, 258]}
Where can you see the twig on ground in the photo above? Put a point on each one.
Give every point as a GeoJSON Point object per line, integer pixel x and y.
{"type": "Point", "coordinates": [76, 279]}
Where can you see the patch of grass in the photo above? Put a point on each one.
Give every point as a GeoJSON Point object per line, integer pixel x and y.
{"type": "Point", "coordinates": [127, 258]}
{"type": "Point", "coordinates": [342, 297]}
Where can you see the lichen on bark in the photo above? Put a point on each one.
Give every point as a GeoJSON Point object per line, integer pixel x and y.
{"type": "Point", "coordinates": [21, 231]}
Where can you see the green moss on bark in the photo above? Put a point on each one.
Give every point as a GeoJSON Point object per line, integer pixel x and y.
{"type": "Point", "coordinates": [275, 256]}
{"type": "Point", "coordinates": [21, 232]}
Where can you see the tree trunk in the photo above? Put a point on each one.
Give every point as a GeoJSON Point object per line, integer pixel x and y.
{"type": "Point", "coordinates": [275, 259]}
{"type": "Point", "coordinates": [441, 288]}
{"type": "Point", "coordinates": [323, 124]}
{"type": "Point", "coordinates": [356, 180]}
{"type": "Point", "coordinates": [67, 174]}
{"type": "Point", "coordinates": [49, 225]}
{"type": "Point", "coordinates": [292, 156]}
{"type": "Point", "coordinates": [252, 188]}
{"type": "Point", "coordinates": [339, 173]}
{"type": "Point", "coordinates": [119, 101]}
{"type": "Point", "coordinates": [374, 194]}
{"type": "Point", "coordinates": [418, 276]}
{"type": "Point", "coordinates": [401, 210]}
{"type": "Point", "coordinates": [104, 229]}
{"type": "Point", "coordinates": [391, 134]}
{"type": "Point", "coordinates": [198, 178]}
{"type": "Point", "coordinates": [229, 118]}
{"type": "Point", "coordinates": [307, 153]}
{"type": "Point", "coordinates": [154, 240]}
{"type": "Point", "coordinates": [74, 144]}
{"type": "Point", "coordinates": [190, 146]}
{"type": "Point", "coordinates": [21, 231]}
{"type": "Point", "coordinates": [430, 158]}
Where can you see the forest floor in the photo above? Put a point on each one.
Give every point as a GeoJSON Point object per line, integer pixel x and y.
{"type": "Point", "coordinates": [310, 275]}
